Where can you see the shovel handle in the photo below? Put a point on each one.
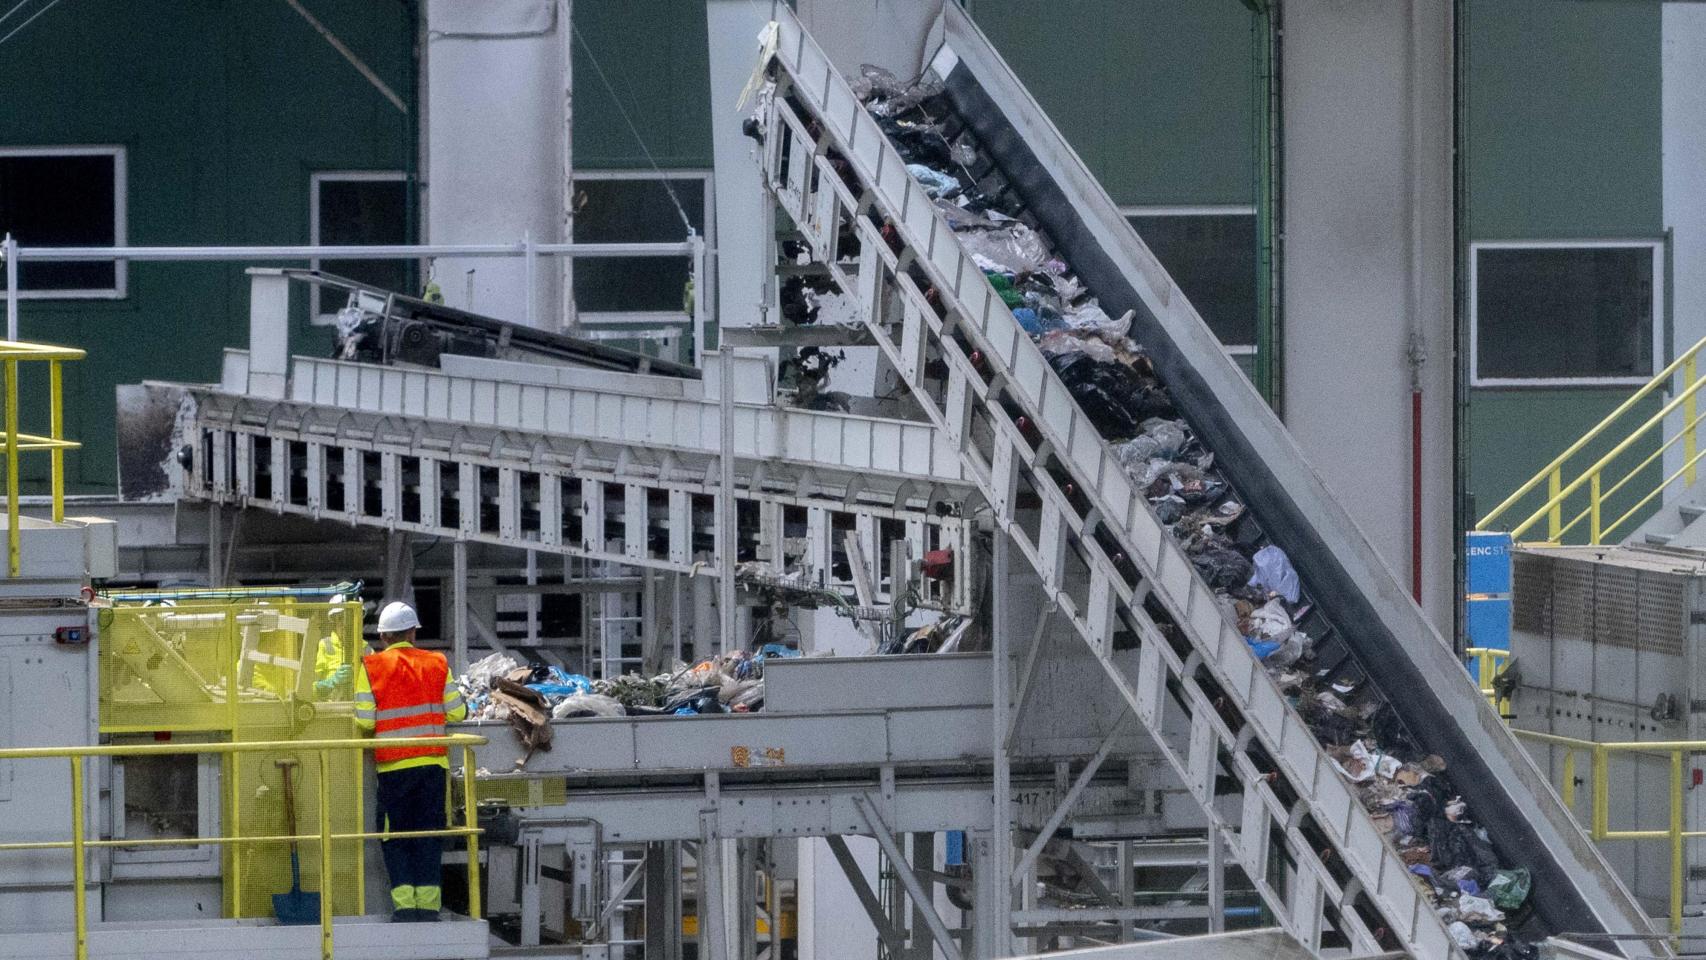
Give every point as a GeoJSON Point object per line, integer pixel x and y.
{"type": "Point", "coordinates": [289, 801]}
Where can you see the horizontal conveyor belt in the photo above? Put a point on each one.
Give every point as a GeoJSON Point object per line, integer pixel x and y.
{"type": "Point", "coordinates": [1112, 567]}
{"type": "Point", "coordinates": [914, 730]}
{"type": "Point", "coordinates": [606, 466]}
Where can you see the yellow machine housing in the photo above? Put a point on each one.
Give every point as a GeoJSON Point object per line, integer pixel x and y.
{"type": "Point", "coordinates": [244, 669]}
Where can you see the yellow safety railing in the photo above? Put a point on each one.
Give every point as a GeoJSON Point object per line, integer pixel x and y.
{"type": "Point", "coordinates": [1490, 662]}
{"type": "Point", "coordinates": [1685, 370]}
{"type": "Point", "coordinates": [1599, 785]}
{"type": "Point", "coordinates": [13, 353]}
{"type": "Point", "coordinates": [79, 845]}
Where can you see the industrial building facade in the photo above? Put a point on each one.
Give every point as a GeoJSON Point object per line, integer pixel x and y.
{"type": "Point", "coordinates": [1572, 187]}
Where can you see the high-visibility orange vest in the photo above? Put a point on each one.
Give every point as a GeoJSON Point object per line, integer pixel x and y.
{"type": "Point", "coordinates": [408, 692]}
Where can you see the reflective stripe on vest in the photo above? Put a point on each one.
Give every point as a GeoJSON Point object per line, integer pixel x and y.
{"type": "Point", "coordinates": [408, 690]}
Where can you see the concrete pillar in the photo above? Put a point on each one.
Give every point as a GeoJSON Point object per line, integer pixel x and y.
{"type": "Point", "coordinates": [494, 130]}
{"type": "Point", "coordinates": [269, 332]}
{"type": "Point", "coordinates": [1368, 267]}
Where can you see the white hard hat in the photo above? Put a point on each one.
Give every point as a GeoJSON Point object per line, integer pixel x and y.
{"type": "Point", "coordinates": [397, 617]}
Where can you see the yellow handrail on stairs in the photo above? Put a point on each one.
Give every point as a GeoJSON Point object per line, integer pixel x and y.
{"type": "Point", "coordinates": [1685, 396]}
{"type": "Point", "coordinates": [13, 353]}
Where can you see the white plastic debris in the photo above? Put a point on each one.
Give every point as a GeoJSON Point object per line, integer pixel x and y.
{"type": "Point", "coordinates": [596, 704]}
{"type": "Point", "coordinates": [1274, 573]}
{"type": "Point", "coordinates": [1363, 764]}
{"type": "Point", "coordinates": [1478, 910]}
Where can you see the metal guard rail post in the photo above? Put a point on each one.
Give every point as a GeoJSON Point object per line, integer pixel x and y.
{"type": "Point", "coordinates": [1557, 492]}
{"type": "Point", "coordinates": [1599, 821]}
{"type": "Point", "coordinates": [12, 354]}
{"type": "Point", "coordinates": [79, 845]}
{"type": "Point", "coordinates": [1490, 662]}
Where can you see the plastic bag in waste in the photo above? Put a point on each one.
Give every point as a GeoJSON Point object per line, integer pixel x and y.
{"type": "Point", "coordinates": [1035, 322]}
{"type": "Point", "coordinates": [1091, 318]}
{"type": "Point", "coordinates": [1478, 910]}
{"type": "Point", "coordinates": [1064, 343]}
{"type": "Point", "coordinates": [1509, 888]}
{"type": "Point", "coordinates": [1269, 622]}
{"type": "Point", "coordinates": [1004, 288]}
{"type": "Point", "coordinates": [1199, 489]}
{"type": "Point", "coordinates": [555, 691]}
{"type": "Point", "coordinates": [916, 142]}
{"type": "Point", "coordinates": [478, 678]}
{"type": "Point", "coordinates": [1274, 573]}
{"type": "Point", "coordinates": [1066, 288]}
{"type": "Point", "coordinates": [1220, 565]}
{"type": "Point", "coordinates": [1168, 509]}
{"type": "Point", "coordinates": [1151, 446]}
{"type": "Point", "coordinates": [1114, 396]}
{"type": "Point", "coordinates": [1015, 247]}
{"type": "Point", "coordinates": [588, 705]}
{"type": "Point", "coordinates": [1361, 763]}
{"type": "Point", "coordinates": [1461, 935]}
{"type": "Point", "coordinates": [935, 182]}
{"type": "Point", "coordinates": [960, 217]}
{"type": "Point", "coordinates": [875, 81]}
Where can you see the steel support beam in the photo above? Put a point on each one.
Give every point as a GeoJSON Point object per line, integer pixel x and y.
{"type": "Point", "coordinates": [727, 528]}
{"type": "Point", "coordinates": [994, 913]}
{"type": "Point", "coordinates": [1067, 802]}
{"type": "Point", "coordinates": [891, 938]}
{"type": "Point", "coordinates": [663, 901]}
{"type": "Point", "coordinates": [920, 900]}
{"type": "Point", "coordinates": [459, 607]}
{"type": "Point", "coordinates": [1022, 695]}
{"type": "Point", "coordinates": [713, 930]}
{"type": "Point", "coordinates": [923, 867]}
{"type": "Point", "coordinates": [745, 888]}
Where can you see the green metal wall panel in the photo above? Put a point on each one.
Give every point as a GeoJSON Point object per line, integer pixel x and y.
{"type": "Point", "coordinates": [225, 108]}
{"type": "Point", "coordinates": [1564, 119]}
{"type": "Point", "coordinates": [1157, 96]}
{"type": "Point", "coordinates": [1515, 433]}
{"type": "Point", "coordinates": [654, 57]}
{"type": "Point", "coordinates": [1564, 141]}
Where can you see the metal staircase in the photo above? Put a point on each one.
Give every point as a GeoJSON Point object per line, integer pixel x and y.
{"type": "Point", "coordinates": [1108, 566]}
{"type": "Point", "coordinates": [1677, 525]}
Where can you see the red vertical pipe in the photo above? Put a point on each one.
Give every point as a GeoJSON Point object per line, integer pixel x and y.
{"type": "Point", "coordinates": [1416, 495]}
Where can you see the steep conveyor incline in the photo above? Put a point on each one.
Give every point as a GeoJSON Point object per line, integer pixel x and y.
{"type": "Point", "coordinates": [1232, 732]}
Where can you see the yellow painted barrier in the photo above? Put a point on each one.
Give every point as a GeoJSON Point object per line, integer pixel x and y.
{"type": "Point", "coordinates": [12, 354]}
{"type": "Point", "coordinates": [1685, 397]}
{"type": "Point", "coordinates": [1599, 818]}
{"type": "Point", "coordinates": [79, 845]}
{"type": "Point", "coordinates": [1490, 662]}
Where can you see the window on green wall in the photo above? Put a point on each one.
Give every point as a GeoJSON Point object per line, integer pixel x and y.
{"type": "Point", "coordinates": [1211, 254]}
{"type": "Point", "coordinates": [641, 296]}
{"type": "Point", "coordinates": [1565, 312]}
{"type": "Point", "coordinates": [65, 197]}
{"type": "Point", "coordinates": [358, 208]}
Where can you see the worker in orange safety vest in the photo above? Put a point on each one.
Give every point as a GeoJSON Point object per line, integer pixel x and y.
{"type": "Point", "coordinates": [404, 691]}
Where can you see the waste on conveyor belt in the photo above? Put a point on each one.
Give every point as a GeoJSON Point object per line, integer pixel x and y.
{"type": "Point", "coordinates": [943, 636]}
{"type": "Point", "coordinates": [737, 679]}
{"type": "Point", "coordinates": [1451, 858]}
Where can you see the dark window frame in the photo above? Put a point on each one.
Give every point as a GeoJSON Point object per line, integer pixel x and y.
{"type": "Point", "coordinates": [1239, 210]}
{"type": "Point", "coordinates": [1655, 321]}
{"type": "Point", "coordinates": [316, 312]}
{"type": "Point", "coordinates": [651, 321]}
{"type": "Point", "coordinates": [121, 280]}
